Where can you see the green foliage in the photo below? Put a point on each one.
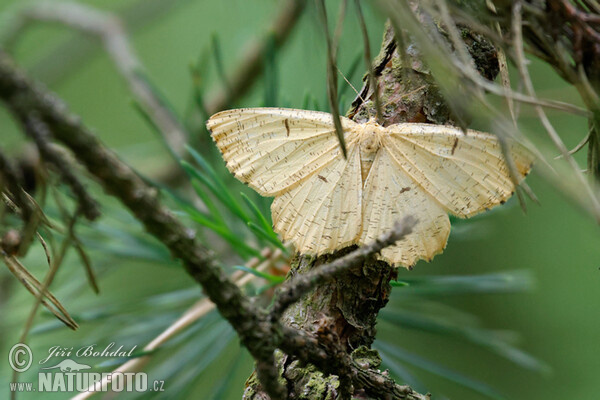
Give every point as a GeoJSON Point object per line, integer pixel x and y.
{"type": "Point", "coordinates": [224, 212]}
{"type": "Point", "coordinates": [406, 312]}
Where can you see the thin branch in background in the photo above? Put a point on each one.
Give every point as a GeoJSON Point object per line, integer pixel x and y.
{"type": "Point", "coordinates": [332, 90]}
{"type": "Point", "coordinates": [371, 73]}
{"type": "Point", "coordinates": [110, 31]}
{"type": "Point", "coordinates": [215, 45]}
{"type": "Point", "coordinates": [295, 288]}
{"type": "Point", "coordinates": [526, 99]}
{"type": "Point", "coordinates": [40, 134]}
{"type": "Point", "coordinates": [12, 180]}
{"type": "Point", "coordinates": [579, 145]}
{"type": "Point", "coordinates": [249, 69]}
{"type": "Point", "coordinates": [251, 65]}
{"type": "Point", "coordinates": [70, 55]}
{"type": "Point", "coordinates": [76, 242]}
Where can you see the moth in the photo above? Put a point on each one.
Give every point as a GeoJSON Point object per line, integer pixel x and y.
{"type": "Point", "coordinates": [324, 202]}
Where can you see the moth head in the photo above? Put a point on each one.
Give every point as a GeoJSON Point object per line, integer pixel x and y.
{"type": "Point", "coordinates": [370, 137]}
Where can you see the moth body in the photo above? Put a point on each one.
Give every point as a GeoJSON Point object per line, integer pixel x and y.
{"type": "Point", "coordinates": [369, 142]}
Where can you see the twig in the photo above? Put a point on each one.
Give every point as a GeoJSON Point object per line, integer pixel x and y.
{"type": "Point", "coordinates": [40, 134]}
{"type": "Point", "coordinates": [382, 386]}
{"type": "Point", "coordinates": [13, 182]}
{"type": "Point", "coordinates": [579, 145]}
{"type": "Point", "coordinates": [71, 54]}
{"type": "Point", "coordinates": [292, 290]}
{"type": "Point", "coordinates": [110, 31]}
{"type": "Point", "coordinates": [85, 260]}
{"type": "Point", "coordinates": [252, 64]}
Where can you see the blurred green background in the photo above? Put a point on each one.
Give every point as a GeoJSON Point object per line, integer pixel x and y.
{"type": "Point", "coordinates": [556, 322]}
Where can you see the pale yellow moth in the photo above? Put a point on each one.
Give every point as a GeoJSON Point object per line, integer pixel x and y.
{"type": "Point", "coordinates": [324, 202]}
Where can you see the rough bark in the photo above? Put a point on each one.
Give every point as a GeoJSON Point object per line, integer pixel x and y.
{"type": "Point", "coordinates": [345, 310]}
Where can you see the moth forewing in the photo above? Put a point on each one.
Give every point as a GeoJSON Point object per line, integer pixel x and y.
{"type": "Point", "coordinates": [273, 149]}
{"type": "Point", "coordinates": [465, 172]}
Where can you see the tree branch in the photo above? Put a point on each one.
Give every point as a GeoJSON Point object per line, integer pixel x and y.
{"type": "Point", "coordinates": [12, 181]}
{"type": "Point", "coordinates": [40, 134]}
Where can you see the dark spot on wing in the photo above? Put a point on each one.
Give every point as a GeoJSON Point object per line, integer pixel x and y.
{"type": "Point", "coordinates": [454, 146]}
{"type": "Point", "coordinates": [404, 189]}
{"type": "Point", "coordinates": [287, 127]}
{"type": "Point", "coordinates": [321, 177]}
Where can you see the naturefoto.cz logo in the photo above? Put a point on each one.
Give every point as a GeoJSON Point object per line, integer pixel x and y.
{"type": "Point", "coordinates": [69, 375]}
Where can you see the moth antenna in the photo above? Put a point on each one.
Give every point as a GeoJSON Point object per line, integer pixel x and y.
{"type": "Point", "coordinates": [352, 86]}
